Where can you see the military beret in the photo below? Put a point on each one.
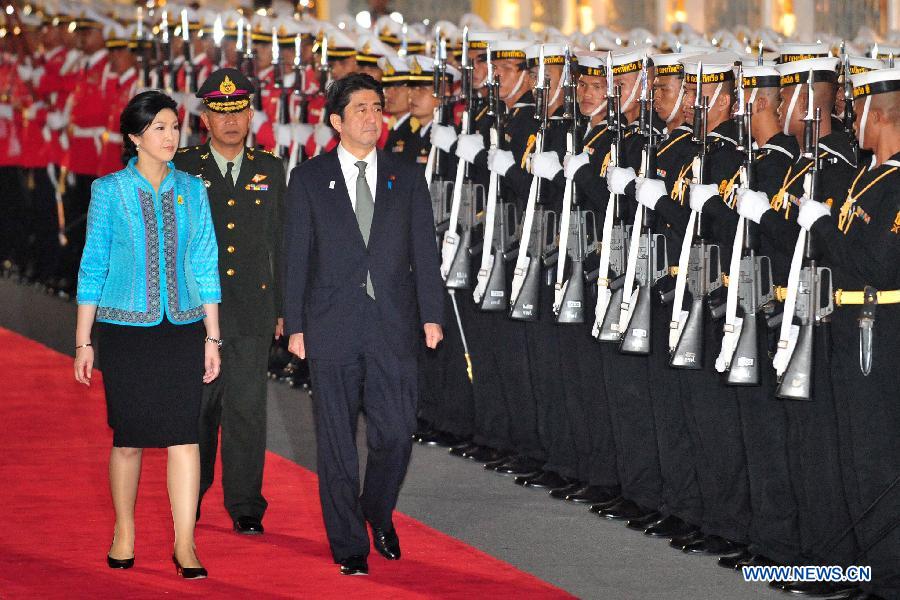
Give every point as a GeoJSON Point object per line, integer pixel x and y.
{"type": "Point", "coordinates": [226, 91]}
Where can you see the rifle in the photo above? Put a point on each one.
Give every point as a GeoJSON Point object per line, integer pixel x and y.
{"type": "Point", "coordinates": [283, 106]}
{"type": "Point", "coordinates": [299, 90]}
{"type": "Point", "coordinates": [500, 224]}
{"type": "Point", "coordinates": [648, 259]}
{"type": "Point", "coordinates": [535, 247]}
{"type": "Point", "coordinates": [164, 50]}
{"type": "Point", "coordinates": [468, 197]}
{"type": "Point", "coordinates": [575, 222]}
{"type": "Point", "coordinates": [144, 66]}
{"type": "Point", "coordinates": [440, 187]}
{"type": "Point", "coordinates": [218, 36]}
{"type": "Point", "coordinates": [612, 246]}
{"type": "Point", "coordinates": [750, 276]}
{"type": "Point", "coordinates": [248, 68]}
{"type": "Point", "coordinates": [849, 116]}
{"type": "Point", "coordinates": [809, 293]}
{"type": "Point", "coordinates": [699, 268]}
{"type": "Point", "coordinates": [190, 128]}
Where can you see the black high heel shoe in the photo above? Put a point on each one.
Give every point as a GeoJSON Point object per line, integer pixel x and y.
{"type": "Point", "coordinates": [189, 572]}
{"type": "Point", "coordinates": [119, 563]}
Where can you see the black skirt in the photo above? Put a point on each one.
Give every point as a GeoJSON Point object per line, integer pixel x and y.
{"type": "Point", "coordinates": [153, 378]}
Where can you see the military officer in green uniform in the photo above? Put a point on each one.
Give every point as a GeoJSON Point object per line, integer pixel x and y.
{"type": "Point", "coordinates": [246, 189]}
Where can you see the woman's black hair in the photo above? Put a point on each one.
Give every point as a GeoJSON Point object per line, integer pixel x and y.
{"type": "Point", "coordinates": [337, 95]}
{"type": "Point", "coordinates": [138, 115]}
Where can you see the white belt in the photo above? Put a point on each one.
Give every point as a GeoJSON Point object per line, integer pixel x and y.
{"type": "Point", "coordinates": [95, 133]}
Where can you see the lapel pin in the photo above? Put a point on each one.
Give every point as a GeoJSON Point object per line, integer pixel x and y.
{"type": "Point", "coordinates": [391, 179]}
{"type": "Point", "coordinates": [180, 199]}
{"type": "Point", "coordinates": [331, 185]}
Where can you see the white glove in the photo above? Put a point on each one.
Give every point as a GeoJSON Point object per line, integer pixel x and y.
{"type": "Point", "coordinates": [57, 120]}
{"type": "Point", "coordinates": [259, 119]}
{"type": "Point", "coordinates": [302, 132]}
{"type": "Point", "coordinates": [468, 146]}
{"type": "Point", "coordinates": [618, 178]}
{"type": "Point", "coordinates": [25, 72]}
{"type": "Point", "coordinates": [500, 161]}
{"type": "Point", "coordinates": [752, 205]}
{"type": "Point", "coordinates": [443, 136]}
{"type": "Point", "coordinates": [572, 163]}
{"type": "Point", "coordinates": [545, 165]}
{"type": "Point", "coordinates": [649, 191]}
{"type": "Point", "coordinates": [6, 111]}
{"type": "Point", "coordinates": [810, 212]}
{"type": "Point", "coordinates": [283, 135]}
{"type": "Point", "coordinates": [700, 193]}
{"type": "Point", "coordinates": [322, 134]}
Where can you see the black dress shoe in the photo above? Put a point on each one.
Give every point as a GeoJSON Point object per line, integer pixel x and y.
{"type": "Point", "coordinates": [189, 572]}
{"type": "Point", "coordinates": [683, 540]}
{"type": "Point", "coordinates": [354, 565]}
{"type": "Point", "coordinates": [734, 561]}
{"type": "Point", "coordinates": [712, 544]}
{"type": "Point", "coordinates": [625, 511]}
{"type": "Point", "coordinates": [386, 542]}
{"type": "Point", "coordinates": [461, 449]}
{"type": "Point", "coordinates": [596, 508]}
{"type": "Point", "coordinates": [439, 438]}
{"type": "Point", "coordinates": [593, 494]}
{"type": "Point", "coordinates": [642, 523]}
{"type": "Point", "coordinates": [670, 527]}
{"type": "Point", "coordinates": [757, 560]}
{"type": "Point", "coordinates": [833, 591]}
{"type": "Point", "coordinates": [485, 454]}
{"type": "Point", "coordinates": [518, 466]}
{"type": "Point", "coordinates": [544, 480]}
{"type": "Point", "coordinates": [561, 493]}
{"type": "Point", "coordinates": [119, 563]}
{"type": "Point", "coordinates": [248, 526]}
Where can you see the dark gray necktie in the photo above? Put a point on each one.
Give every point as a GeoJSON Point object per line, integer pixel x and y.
{"type": "Point", "coordinates": [229, 177]}
{"type": "Point", "coordinates": [365, 208]}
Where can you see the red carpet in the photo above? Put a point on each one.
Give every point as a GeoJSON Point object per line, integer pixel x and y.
{"type": "Point", "coordinates": [57, 516]}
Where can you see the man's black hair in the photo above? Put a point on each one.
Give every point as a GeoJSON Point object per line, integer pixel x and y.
{"type": "Point", "coordinates": [337, 95]}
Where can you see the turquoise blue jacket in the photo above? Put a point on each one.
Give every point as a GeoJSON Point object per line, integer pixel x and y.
{"type": "Point", "coordinates": [149, 254]}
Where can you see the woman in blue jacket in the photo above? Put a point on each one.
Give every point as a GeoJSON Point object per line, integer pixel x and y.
{"type": "Point", "coordinates": [149, 277]}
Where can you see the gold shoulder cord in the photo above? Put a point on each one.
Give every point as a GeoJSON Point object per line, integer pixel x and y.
{"type": "Point", "coordinates": [847, 214]}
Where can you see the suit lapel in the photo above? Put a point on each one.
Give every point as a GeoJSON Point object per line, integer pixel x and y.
{"type": "Point", "coordinates": [339, 196]}
{"type": "Point", "coordinates": [209, 170]}
{"type": "Point", "coordinates": [247, 168]}
{"type": "Point", "coordinates": [383, 197]}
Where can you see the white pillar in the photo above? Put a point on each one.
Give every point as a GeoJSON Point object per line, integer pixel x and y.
{"type": "Point", "coordinates": [598, 10]}
{"type": "Point", "coordinates": [804, 12]}
{"type": "Point", "coordinates": [525, 13]}
{"type": "Point", "coordinates": [662, 10]}
{"type": "Point", "coordinates": [696, 14]}
{"type": "Point", "coordinates": [893, 15]}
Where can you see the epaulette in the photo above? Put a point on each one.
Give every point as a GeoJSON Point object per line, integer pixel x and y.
{"type": "Point", "coordinates": [269, 152]}
{"type": "Point", "coordinates": [187, 149]}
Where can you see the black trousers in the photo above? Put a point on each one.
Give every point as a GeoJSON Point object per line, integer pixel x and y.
{"type": "Point", "coordinates": [869, 422]}
{"type": "Point", "coordinates": [715, 425]}
{"type": "Point", "coordinates": [586, 403]}
{"type": "Point", "coordinates": [445, 392]}
{"type": "Point", "coordinates": [236, 401]}
{"type": "Point", "coordinates": [774, 522]}
{"type": "Point", "coordinates": [43, 227]}
{"type": "Point", "coordinates": [625, 378]}
{"type": "Point", "coordinates": [490, 421]}
{"type": "Point", "coordinates": [814, 457]}
{"type": "Point", "coordinates": [383, 386]}
{"type": "Point", "coordinates": [543, 339]}
{"type": "Point", "coordinates": [680, 491]}
{"type": "Point", "coordinates": [12, 218]}
{"type": "Point", "coordinates": [76, 201]}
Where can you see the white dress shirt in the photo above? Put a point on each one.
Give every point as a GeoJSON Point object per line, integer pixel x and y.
{"type": "Point", "coordinates": [351, 172]}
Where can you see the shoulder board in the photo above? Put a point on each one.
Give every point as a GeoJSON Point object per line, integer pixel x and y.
{"type": "Point", "coordinates": [269, 152]}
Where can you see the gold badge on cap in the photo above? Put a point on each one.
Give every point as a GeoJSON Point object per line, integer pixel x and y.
{"type": "Point", "coordinates": [414, 67]}
{"type": "Point", "coordinates": [227, 86]}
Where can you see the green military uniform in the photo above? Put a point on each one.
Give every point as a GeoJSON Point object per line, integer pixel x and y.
{"type": "Point", "coordinates": [246, 193]}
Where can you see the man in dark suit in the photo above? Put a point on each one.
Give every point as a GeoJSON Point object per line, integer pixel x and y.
{"type": "Point", "coordinates": [362, 283]}
{"type": "Point", "coordinates": [246, 192]}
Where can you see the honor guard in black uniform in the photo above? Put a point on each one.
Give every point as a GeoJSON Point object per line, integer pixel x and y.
{"type": "Point", "coordinates": [246, 191]}
{"type": "Point", "coordinates": [813, 452]}
{"type": "Point", "coordinates": [861, 242]}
